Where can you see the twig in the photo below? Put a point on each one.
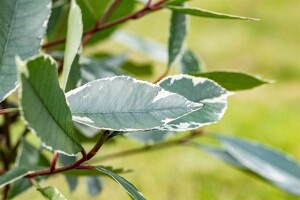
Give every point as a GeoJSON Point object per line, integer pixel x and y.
{"type": "Point", "coordinates": [54, 161]}
{"type": "Point", "coordinates": [140, 13]}
{"type": "Point", "coordinates": [129, 152]}
{"type": "Point", "coordinates": [8, 110]}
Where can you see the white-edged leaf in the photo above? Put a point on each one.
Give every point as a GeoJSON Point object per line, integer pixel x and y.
{"type": "Point", "coordinates": [199, 12]}
{"type": "Point", "coordinates": [71, 180]}
{"type": "Point", "coordinates": [149, 47]}
{"type": "Point", "coordinates": [199, 90]}
{"type": "Point", "coordinates": [126, 104]}
{"type": "Point", "coordinates": [44, 107]}
{"type": "Point", "coordinates": [177, 34]}
{"type": "Point", "coordinates": [51, 193]}
{"type": "Point", "coordinates": [127, 186]}
{"type": "Point", "coordinates": [74, 35]}
{"type": "Point", "coordinates": [274, 166]}
{"type": "Point", "coordinates": [149, 137]}
{"type": "Point", "coordinates": [23, 24]}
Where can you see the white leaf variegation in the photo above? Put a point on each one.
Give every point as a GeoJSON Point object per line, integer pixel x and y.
{"type": "Point", "coordinates": [198, 90]}
{"type": "Point", "coordinates": [125, 104]}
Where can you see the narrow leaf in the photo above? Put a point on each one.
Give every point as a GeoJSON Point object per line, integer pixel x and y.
{"type": "Point", "coordinates": [206, 13]}
{"type": "Point", "coordinates": [71, 180]}
{"type": "Point", "coordinates": [147, 46]}
{"type": "Point", "coordinates": [93, 172]}
{"type": "Point", "coordinates": [44, 107]}
{"type": "Point", "coordinates": [276, 167]}
{"type": "Point", "coordinates": [234, 80]}
{"type": "Point", "coordinates": [29, 157]}
{"type": "Point", "coordinates": [128, 187]}
{"type": "Point", "coordinates": [51, 193]}
{"type": "Point", "coordinates": [199, 90]}
{"type": "Point", "coordinates": [13, 175]}
{"type": "Point", "coordinates": [189, 63]}
{"type": "Point", "coordinates": [23, 24]}
{"type": "Point", "coordinates": [94, 185]}
{"type": "Point", "coordinates": [177, 34]}
{"type": "Point", "coordinates": [74, 35]}
{"type": "Point", "coordinates": [126, 104]}
{"type": "Point", "coordinates": [149, 137]}
{"type": "Point", "coordinates": [74, 75]}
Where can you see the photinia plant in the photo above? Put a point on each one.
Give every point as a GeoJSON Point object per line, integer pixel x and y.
{"type": "Point", "coordinates": [68, 98]}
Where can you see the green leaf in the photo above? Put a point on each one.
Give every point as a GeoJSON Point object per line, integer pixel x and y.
{"type": "Point", "coordinates": [177, 34]}
{"type": "Point", "coordinates": [206, 13]}
{"type": "Point", "coordinates": [28, 157]}
{"type": "Point", "coordinates": [128, 187]}
{"type": "Point", "coordinates": [95, 68]}
{"type": "Point", "coordinates": [175, 2]}
{"type": "Point", "coordinates": [93, 10]}
{"type": "Point", "coordinates": [149, 137]}
{"type": "Point", "coordinates": [93, 172]}
{"type": "Point", "coordinates": [43, 105]}
{"type": "Point", "coordinates": [198, 90]}
{"type": "Point", "coordinates": [74, 75]}
{"type": "Point", "coordinates": [138, 69]}
{"type": "Point", "coordinates": [51, 193]}
{"type": "Point", "coordinates": [222, 154]}
{"type": "Point", "coordinates": [23, 25]}
{"type": "Point", "coordinates": [13, 175]}
{"type": "Point", "coordinates": [234, 80]}
{"type": "Point", "coordinates": [126, 104]}
{"type": "Point", "coordinates": [94, 185]}
{"type": "Point", "coordinates": [74, 35]}
{"type": "Point", "coordinates": [144, 45]}
{"type": "Point", "coordinates": [276, 167]}
{"type": "Point", "coordinates": [189, 63]}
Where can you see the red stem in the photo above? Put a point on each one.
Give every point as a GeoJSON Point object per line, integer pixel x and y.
{"type": "Point", "coordinates": [54, 161]}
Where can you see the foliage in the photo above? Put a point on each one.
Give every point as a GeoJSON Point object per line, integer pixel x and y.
{"type": "Point", "coordinates": [69, 99]}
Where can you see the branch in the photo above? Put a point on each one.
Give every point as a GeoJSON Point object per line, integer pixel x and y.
{"type": "Point", "coordinates": [8, 110]}
{"type": "Point", "coordinates": [182, 141]}
{"type": "Point", "coordinates": [138, 14]}
{"type": "Point", "coordinates": [76, 164]}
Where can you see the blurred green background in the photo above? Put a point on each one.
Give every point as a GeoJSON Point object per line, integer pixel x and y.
{"type": "Point", "coordinates": [269, 114]}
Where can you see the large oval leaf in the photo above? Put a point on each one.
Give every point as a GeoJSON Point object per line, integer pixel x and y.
{"type": "Point", "coordinates": [200, 90]}
{"type": "Point", "coordinates": [126, 104]}
{"type": "Point", "coordinates": [44, 107]}
{"type": "Point", "coordinates": [23, 24]}
{"type": "Point", "coordinates": [272, 165]}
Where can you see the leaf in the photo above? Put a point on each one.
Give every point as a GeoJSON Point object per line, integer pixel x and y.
{"type": "Point", "coordinates": [222, 154]}
{"type": "Point", "coordinates": [199, 12]}
{"type": "Point", "coordinates": [175, 2]}
{"type": "Point", "coordinates": [28, 157]}
{"type": "Point", "coordinates": [51, 193]}
{"type": "Point", "coordinates": [138, 69]}
{"type": "Point", "coordinates": [234, 80]}
{"type": "Point", "coordinates": [128, 187]}
{"type": "Point", "coordinates": [74, 35]}
{"type": "Point", "coordinates": [189, 63]}
{"type": "Point", "coordinates": [198, 90]}
{"type": "Point", "coordinates": [272, 165]}
{"type": "Point", "coordinates": [93, 10]}
{"type": "Point", "coordinates": [95, 68]}
{"type": "Point", "coordinates": [23, 25]}
{"type": "Point", "coordinates": [93, 172]}
{"type": "Point", "coordinates": [74, 75]}
{"type": "Point", "coordinates": [44, 107]}
{"type": "Point", "coordinates": [177, 34]}
{"type": "Point", "coordinates": [17, 173]}
{"type": "Point", "coordinates": [149, 137]}
{"type": "Point", "coordinates": [126, 104]}
{"type": "Point", "coordinates": [94, 185]}
{"type": "Point", "coordinates": [147, 46]}
{"type": "Point", "coordinates": [71, 180]}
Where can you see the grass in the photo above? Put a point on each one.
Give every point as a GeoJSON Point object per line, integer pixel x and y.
{"type": "Point", "coordinates": [269, 114]}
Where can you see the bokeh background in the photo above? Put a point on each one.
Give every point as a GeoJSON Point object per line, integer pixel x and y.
{"type": "Point", "coordinates": [269, 114]}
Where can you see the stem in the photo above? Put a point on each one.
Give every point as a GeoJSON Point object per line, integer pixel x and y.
{"type": "Point", "coordinates": [182, 141]}
{"type": "Point", "coordinates": [140, 13]}
{"type": "Point", "coordinates": [8, 110]}
{"type": "Point", "coordinates": [54, 161]}
{"type": "Point", "coordinates": [78, 163]}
